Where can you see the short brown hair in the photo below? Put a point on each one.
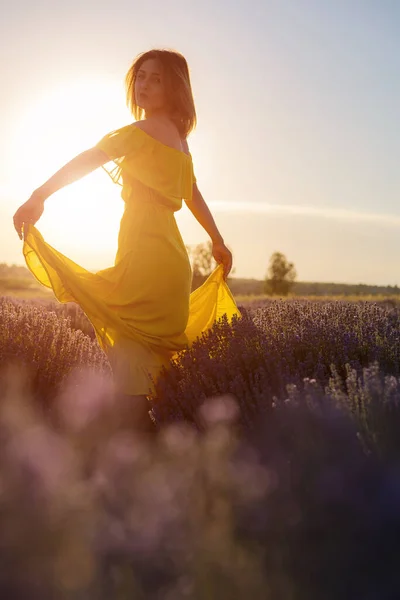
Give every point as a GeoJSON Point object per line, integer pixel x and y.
{"type": "Point", "coordinates": [178, 88]}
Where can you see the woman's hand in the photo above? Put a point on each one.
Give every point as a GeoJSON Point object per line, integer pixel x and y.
{"type": "Point", "coordinates": [223, 255]}
{"type": "Point", "coordinates": [29, 212]}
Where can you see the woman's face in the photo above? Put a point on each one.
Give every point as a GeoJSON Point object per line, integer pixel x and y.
{"type": "Point", "coordinates": [150, 88]}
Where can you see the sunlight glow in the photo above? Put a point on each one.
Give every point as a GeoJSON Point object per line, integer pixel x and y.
{"type": "Point", "coordinates": [82, 219]}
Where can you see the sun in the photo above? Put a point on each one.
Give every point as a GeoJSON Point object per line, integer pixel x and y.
{"type": "Point", "coordinates": [82, 219]}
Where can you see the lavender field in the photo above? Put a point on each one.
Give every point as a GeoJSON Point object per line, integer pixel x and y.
{"type": "Point", "coordinates": [275, 473]}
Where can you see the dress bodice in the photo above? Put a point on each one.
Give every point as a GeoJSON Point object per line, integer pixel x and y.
{"type": "Point", "coordinates": [137, 157]}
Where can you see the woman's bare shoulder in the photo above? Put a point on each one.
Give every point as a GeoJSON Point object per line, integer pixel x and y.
{"type": "Point", "coordinates": [185, 146]}
{"type": "Point", "coordinates": [167, 134]}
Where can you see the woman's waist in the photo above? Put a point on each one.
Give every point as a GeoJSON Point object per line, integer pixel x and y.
{"type": "Point", "coordinates": [148, 218]}
{"type": "Point", "coordinates": [143, 243]}
{"type": "Point", "coordinates": [149, 226]}
{"type": "Point", "coordinates": [137, 194]}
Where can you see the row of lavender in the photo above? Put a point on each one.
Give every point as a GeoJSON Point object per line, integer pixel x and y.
{"type": "Point", "coordinates": [287, 487]}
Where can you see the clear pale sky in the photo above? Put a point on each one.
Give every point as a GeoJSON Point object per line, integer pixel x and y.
{"type": "Point", "coordinates": [298, 139]}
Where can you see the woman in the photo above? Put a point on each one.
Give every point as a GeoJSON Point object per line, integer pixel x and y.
{"type": "Point", "coordinates": [141, 308]}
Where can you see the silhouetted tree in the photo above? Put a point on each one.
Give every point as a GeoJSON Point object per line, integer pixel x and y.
{"type": "Point", "coordinates": [281, 275]}
{"type": "Point", "coordinates": [203, 262]}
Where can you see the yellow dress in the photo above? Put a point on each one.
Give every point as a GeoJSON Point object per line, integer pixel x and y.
{"type": "Point", "coordinates": [141, 308]}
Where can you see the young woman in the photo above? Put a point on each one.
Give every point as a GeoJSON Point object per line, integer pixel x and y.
{"type": "Point", "coordinates": [141, 308]}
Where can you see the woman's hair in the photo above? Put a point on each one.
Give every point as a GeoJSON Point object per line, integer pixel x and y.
{"type": "Point", "coordinates": [177, 84]}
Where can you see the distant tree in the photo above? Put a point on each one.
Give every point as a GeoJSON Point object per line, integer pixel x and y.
{"type": "Point", "coordinates": [280, 276]}
{"type": "Point", "coordinates": [202, 261]}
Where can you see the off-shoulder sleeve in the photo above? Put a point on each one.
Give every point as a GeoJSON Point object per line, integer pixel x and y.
{"type": "Point", "coordinates": [119, 145]}
{"type": "Point", "coordinates": [193, 174]}
{"type": "Point", "coordinates": [188, 179]}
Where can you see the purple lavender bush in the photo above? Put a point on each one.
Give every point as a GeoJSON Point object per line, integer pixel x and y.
{"type": "Point", "coordinates": [373, 402]}
{"type": "Point", "coordinates": [47, 348]}
{"type": "Point", "coordinates": [295, 511]}
{"type": "Point", "coordinates": [331, 524]}
{"type": "Point", "coordinates": [71, 311]}
{"type": "Point", "coordinates": [258, 355]}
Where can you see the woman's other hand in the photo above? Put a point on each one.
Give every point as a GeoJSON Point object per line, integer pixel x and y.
{"type": "Point", "coordinates": [223, 255]}
{"type": "Point", "coordinates": [29, 212]}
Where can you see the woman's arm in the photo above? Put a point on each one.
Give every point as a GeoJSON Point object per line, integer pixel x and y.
{"type": "Point", "coordinates": [75, 169]}
{"type": "Point", "coordinates": [78, 167]}
{"type": "Point", "coordinates": [202, 213]}
{"type": "Point", "coordinates": [199, 208]}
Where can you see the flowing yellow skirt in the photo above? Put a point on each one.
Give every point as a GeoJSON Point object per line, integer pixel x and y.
{"type": "Point", "coordinates": [141, 309]}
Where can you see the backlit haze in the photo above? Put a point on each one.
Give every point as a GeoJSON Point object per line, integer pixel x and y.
{"type": "Point", "coordinates": [298, 139]}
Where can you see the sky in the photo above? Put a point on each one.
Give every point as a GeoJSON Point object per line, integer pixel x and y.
{"type": "Point", "coordinates": [297, 143]}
